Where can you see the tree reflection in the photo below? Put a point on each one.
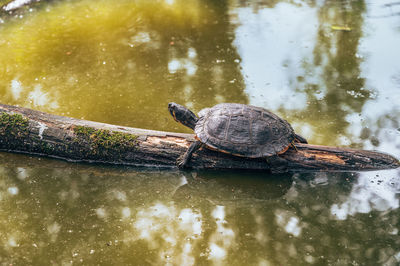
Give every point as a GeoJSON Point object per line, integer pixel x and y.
{"type": "Point", "coordinates": [330, 77]}
{"type": "Point", "coordinates": [336, 53]}
{"type": "Point", "coordinates": [350, 85]}
{"type": "Point", "coordinates": [62, 213]}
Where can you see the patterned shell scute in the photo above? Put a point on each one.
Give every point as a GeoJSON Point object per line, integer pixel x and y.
{"type": "Point", "coordinates": [243, 130]}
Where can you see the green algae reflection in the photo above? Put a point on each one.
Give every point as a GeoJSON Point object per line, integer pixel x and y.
{"type": "Point", "coordinates": [119, 62]}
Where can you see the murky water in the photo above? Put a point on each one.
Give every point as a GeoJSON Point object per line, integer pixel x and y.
{"type": "Point", "coordinates": [329, 67]}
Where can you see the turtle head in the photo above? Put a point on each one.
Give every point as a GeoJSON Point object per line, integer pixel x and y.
{"type": "Point", "coordinates": [182, 115]}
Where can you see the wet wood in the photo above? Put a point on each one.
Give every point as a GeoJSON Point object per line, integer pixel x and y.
{"type": "Point", "coordinates": [28, 131]}
{"type": "Point", "coordinates": [16, 4]}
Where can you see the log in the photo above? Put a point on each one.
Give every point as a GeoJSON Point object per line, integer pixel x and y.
{"type": "Point", "coordinates": [14, 5]}
{"type": "Point", "coordinates": [28, 131]}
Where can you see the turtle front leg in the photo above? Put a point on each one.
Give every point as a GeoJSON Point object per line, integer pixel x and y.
{"type": "Point", "coordinates": [277, 164]}
{"type": "Point", "coordinates": [183, 160]}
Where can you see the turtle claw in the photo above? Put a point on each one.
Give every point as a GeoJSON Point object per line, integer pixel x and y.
{"type": "Point", "coordinates": [181, 162]}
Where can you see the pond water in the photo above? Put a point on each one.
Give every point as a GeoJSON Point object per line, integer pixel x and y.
{"type": "Point", "coordinates": [331, 68]}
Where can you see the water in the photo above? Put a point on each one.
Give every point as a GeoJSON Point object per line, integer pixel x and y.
{"type": "Point", "coordinates": [121, 62]}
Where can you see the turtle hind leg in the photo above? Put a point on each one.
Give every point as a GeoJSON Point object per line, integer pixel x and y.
{"type": "Point", "coordinates": [277, 164]}
{"type": "Point", "coordinates": [184, 160]}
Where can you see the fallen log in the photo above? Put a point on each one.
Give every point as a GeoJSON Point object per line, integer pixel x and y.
{"type": "Point", "coordinates": [14, 5]}
{"type": "Point", "coordinates": [28, 131]}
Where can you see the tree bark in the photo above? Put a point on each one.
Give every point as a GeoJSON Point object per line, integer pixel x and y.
{"type": "Point", "coordinates": [15, 5]}
{"type": "Point", "coordinates": [28, 131]}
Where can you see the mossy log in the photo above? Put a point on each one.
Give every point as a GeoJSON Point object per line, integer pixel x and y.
{"type": "Point", "coordinates": [28, 131]}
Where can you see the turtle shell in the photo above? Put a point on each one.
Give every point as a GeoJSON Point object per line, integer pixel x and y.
{"type": "Point", "coordinates": [243, 130]}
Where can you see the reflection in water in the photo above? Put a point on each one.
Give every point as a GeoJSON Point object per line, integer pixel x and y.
{"type": "Point", "coordinates": [126, 208]}
{"type": "Point", "coordinates": [119, 62]}
{"type": "Point", "coordinates": [289, 222]}
{"type": "Point", "coordinates": [122, 62]}
{"type": "Point", "coordinates": [289, 31]}
{"type": "Point", "coordinates": [335, 81]}
{"type": "Point", "coordinates": [173, 233]}
{"type": "Point", "coordinates": [242, 188]}
{"type": "Point", "coordinates": [374, 191]}
{"type": "Point", "coordinates": [56, 212]}
{"type": "Point", "coordinates": [312, 70]}
{"type": "Point", "coordinates": [222, 238]}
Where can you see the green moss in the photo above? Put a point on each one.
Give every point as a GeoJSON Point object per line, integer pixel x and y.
{"type": "Point", "coordinates": [85, 131]}
{"type": "Point", "coordinates": [46, 147]}
{"type": "Point", "coordinates": [13, 125]}
{"type": "Point", "coordinates": [105, 141]}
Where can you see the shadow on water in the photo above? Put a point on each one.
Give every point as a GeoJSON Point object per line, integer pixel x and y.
{"type": "Point", "coordinates": [242, 188]}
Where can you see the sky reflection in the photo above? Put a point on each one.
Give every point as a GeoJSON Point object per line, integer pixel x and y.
{"type": "Point", "coordinates": [308, 57]}
{"type": "Point", "coordinates": [373, 191]}
{"type": "Point", "coordinates": [288, 30]}
{"type": "Point", "coordinates": [170, 231]}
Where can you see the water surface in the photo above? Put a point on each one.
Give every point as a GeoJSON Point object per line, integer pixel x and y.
{"type": "Point", "coordinates": [121, 62]}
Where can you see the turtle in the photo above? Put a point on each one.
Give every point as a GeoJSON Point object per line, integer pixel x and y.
{"type": "Point", "coordinates": [237, 129]}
